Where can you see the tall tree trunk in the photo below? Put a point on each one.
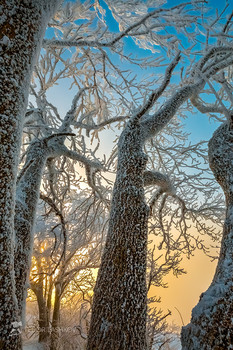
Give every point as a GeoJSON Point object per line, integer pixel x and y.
{"type": "Point", "coordinates": [119, 307]}
{"type": "Point", "coordinates": [27, 194]}
{"type": "Point", "coordinates": [55, 334]}
{"type": "Point", "coordinates": [211, 326]}
{"type": "Point", "coordinates": [22, 28]}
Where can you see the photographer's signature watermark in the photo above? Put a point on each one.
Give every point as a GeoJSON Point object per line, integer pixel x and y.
{"type": "Point", "coordinates": [16, 328]}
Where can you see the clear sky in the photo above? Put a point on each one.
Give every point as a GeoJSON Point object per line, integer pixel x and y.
{"type": "Point", "coordinates": [183, 292]}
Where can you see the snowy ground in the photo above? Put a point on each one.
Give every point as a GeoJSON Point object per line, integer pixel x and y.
{"type": "Point", "coordinates": [32, 346]}
{"type": "Point", "coordinates": [176, 344]}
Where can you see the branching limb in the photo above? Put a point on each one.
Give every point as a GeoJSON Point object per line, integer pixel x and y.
{"type": "Point", "coordinates": [159, 179]}
{"type": "Point", "coordinates": [58, 213]}
{"type": "Point", "coordinates": [90, 174]}
{"type": "Point", "coordinates": [153, 124]}
{"type": "Point", "coordinates": [205, 107]}
{"type": "Point", "coordinates": [90, 127]}
{"type": "Point", "coordinates": [157, 93]}
{"type": "Point", "coordinates": [70, 115]}
{"type": "Point", "coordinates": [63, 150]}
{"type": "Point", "coordinates": [95, 43]}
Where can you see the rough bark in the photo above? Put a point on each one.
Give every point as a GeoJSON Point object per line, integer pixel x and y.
{"type": "Point", "coordinates": [211, 326]}
{"type": "Point", "coordinates": [22, 28]}
{"type": "Point", "coordinates": [119, 306]}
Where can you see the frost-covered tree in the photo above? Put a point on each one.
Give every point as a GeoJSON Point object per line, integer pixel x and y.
{"type": "Point", "coordinates": [63, 270]}
{"type": "Point", "coordinates": [27, 193]}
{"type": "Point", "coordinates": [23, 26]}
{"type": "Point", "coordinates": [211, 323]}
{"type": "Point", "coordinates": [22, 29]}
{"type": "Point", "coordinates": [119, 306]}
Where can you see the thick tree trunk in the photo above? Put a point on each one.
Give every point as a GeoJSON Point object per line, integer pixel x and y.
{"type": "Point", "coordinates": [22, 28]}
{"type": "Point", "coordinates": [55, 334]}
{"type": "Point", "coordinates": [211, 326]}
{"type": "Point", "coordinates": [119, 308]}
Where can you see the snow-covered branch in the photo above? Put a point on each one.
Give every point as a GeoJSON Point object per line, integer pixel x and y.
{"type": "Point", "coordinates": [70, 115]}
{"type": "Point", "coordinates": [157, 93]}
{"type": "Point", "coordinates": [63, 150]}
{"type": "Point", "coordinates": [204, 107]}
{"type": "Point", "coordinates": [155, 123]}
{"type": "Point", "coordinates": [155, 178]}
{"type": "Point", "coordinates": [130, 30]}
{"type": "Point", "coordinates": [90, 127]}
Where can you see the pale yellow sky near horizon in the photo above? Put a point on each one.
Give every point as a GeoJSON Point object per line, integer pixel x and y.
{"type": "Point", "coordinates": [183, 292]}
